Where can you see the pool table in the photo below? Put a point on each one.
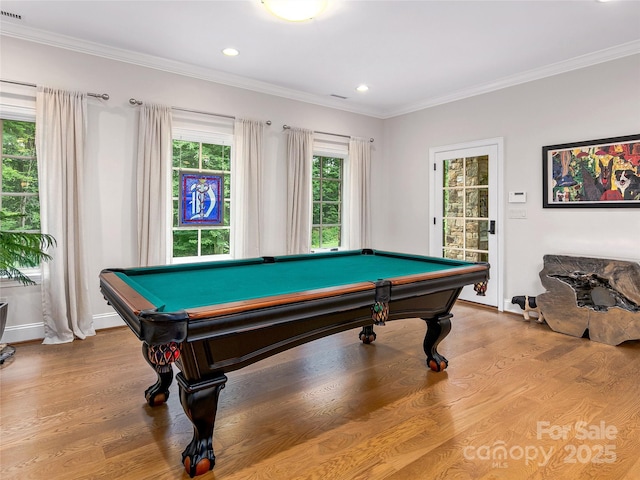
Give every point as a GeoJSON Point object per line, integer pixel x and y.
{"type": "Point", "coordinates": [215, 317]}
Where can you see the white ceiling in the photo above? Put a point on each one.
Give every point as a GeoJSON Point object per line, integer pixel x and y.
{"type": "Point", "coordinates": [412, 54]}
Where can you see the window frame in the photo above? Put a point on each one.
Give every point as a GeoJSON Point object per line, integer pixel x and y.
{"type": "Point", "coordinates": [18, 102]}
{"type": "Point", "coordinates": [327, 146]}
{"type": "Point", "coordinates": [191, 133]}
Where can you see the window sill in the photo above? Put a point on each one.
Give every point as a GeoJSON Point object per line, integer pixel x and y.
{"type": "Point", "coordinates": [208, 258]}
{"type": "Point", "coordinates": [326, 250]}
{"type": "Point", "coordinates": [35, 275]}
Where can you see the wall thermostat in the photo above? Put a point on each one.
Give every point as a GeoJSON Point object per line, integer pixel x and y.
{"type": "Point", "coordinates": [517, 197]}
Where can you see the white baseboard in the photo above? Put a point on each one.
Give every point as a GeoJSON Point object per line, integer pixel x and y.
{"type": "Point", "coordinates": [23, 333]}
{"type": "Point", "coordinates": [107, 320]}
{"type": "Point", "coordinates": [35, 331]}
{"type": "Point", "coordinates": [510, 307]}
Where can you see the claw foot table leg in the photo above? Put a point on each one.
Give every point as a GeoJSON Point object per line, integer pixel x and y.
{"type": "Point", "coordinates": [200, 403]}
{"type": "Point", "coordinates": [437, 329]}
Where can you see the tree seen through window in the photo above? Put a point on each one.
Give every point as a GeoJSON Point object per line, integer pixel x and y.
{"type": "Point", "coordinates": [327, 179]}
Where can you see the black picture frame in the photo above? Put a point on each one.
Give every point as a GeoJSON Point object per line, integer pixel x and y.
{"type": "Point", "coordinates": [603, 173]}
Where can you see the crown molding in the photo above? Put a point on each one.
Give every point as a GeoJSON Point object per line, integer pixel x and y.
{"type": "Point", "coordinates": [576, 63]}
{"type": "Point", "coordinates": [171, 66]}
{"type": "Point", "coordinates": [180, 68]}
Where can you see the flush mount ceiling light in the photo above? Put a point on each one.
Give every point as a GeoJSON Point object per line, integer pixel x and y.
{"type": "Point", "coordinates": [295, 10]}
{"type": "Point", "coordinates": [230, 52]}
{"type": "Point", "coordinates": [362, 88]}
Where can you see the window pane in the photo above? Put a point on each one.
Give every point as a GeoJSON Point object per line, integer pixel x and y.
{"type": "Point", "coordinates": [185, 243]}
{"type": "Point", "coordinates": [24, 213]}
{"type": "Point", "coordinates": [331, 191]}
{"type": "Point", "coordinates": [453, 233]}
{"type": "Point", "coordinates": [453, 254]}
{"type": "Point", "coordinates": [176, 213]}
{"type": "Point", "coordinates": [315, 237]}
{"type": "Point", "coordinates": [332, 167]}
{"type": "Point", "coordinates": [476, 257]}
{"type": "Point", "coordinates": [315, 185]}
{"type": "Point", "coordinates": [215, 157]}
{"type": "Point", "coordinates": [477, 172]}
{"type": "Point", "coordinates": [316, 213]}
{"type": "Point", "coordinates": [175, 184]}
{"type": "Point", "coordinates": [477, 234]}
{"type": "Point", "coordinates": [227, 157]}
{"type": "Point", "coordinates": [19, 175]}
{"type": "Point", "coordinates": [185, 154]}
{"type": "Point", "coordinates": [31, 219]}
{"type": "Point", "coordinates": [18, 138]}
{"type": "Point", "coordinates": [215, 242]}
{"type": "Point", "coordinates": [478, 202]}
{"type": "Point", "coordinates": [330, 237]}
{"type": "Point", "coordinates": [315, 167]}
{"type": "Point", "coordinates": [330, 213]}
{"type": "Point", "coordinates": [227, 214]}
{"type": "Point", "coordinates": [226, 188]}
{"type": "Point", "coordinates": [453, 172]}
{"type": "Point", "coordinates": [452, 202]}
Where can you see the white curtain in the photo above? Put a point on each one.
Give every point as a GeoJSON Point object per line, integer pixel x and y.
{"type": "Point", "coordinates": [246, 188]}
{"type": "Point", "coordinates": [155, 151]}
{"type": "Point", "coordinates": [359, 224]}
{"type": "Point", "coordinates": [299, 160]}
{"type": "Point", "coordinates": [60, 143]}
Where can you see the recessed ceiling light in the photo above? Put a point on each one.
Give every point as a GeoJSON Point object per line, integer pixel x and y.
{"type": "Point", "coordinates": [362, 88]}
{"type": "Point", "coordinates": [230, 52]}
{"type": "Point", "coordinates": [295, 10]}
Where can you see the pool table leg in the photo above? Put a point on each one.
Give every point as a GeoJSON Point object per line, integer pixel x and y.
{"type": "Point", "coordinates": [437, 328]}
{"type": "Point", "coordinates": [200, 403]}
{"type": "Point", "coordinates": [367, 335]}
{"type": "Point", "coordinates": [158, 393]}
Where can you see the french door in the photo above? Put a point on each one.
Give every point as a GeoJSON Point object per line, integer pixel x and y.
{"type": "Point", "coordinates": [465, 210]}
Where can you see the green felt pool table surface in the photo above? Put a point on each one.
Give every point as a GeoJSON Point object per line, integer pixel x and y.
{"type": "Point", "coordinates": [189, 286]}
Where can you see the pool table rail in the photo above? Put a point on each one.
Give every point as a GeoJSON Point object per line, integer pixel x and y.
{"type": "Point", "coordinates": [143, 317]}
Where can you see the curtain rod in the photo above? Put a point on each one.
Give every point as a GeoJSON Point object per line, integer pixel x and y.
{"type": "Point", "coordinates": [287, 127]}
{"type": "Point", "coordinates": [103, 96]}
{"type": "Point", "coordinates": [133, 101]}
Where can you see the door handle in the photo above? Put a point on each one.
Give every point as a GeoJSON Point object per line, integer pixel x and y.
{"type": "Point", "coordinates": [492, 227]}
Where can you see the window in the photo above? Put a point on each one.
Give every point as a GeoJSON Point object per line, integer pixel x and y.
{"type": "Point", "coordinates": [465, 200]}
{"type": "Point", "coordinates": [200, 157]}
{"type": "Point", "coordinates": [327, 183]}
{"type": "Point", "coordinates": [19, 199]}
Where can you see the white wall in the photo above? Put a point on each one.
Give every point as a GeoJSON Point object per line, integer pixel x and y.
{"type": "Point", "coordinates": [112, 145]}
{"type": "Point", "coordinates": [596, 102]}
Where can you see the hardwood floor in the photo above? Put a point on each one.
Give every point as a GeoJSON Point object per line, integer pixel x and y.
{"type": "Point", "coordinates": [338, 409]}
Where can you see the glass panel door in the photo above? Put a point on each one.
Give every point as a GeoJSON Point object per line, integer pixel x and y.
{"type": "Point", "coordinates": [464, 209]}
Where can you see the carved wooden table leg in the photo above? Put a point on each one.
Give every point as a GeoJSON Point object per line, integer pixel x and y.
{"type": "Point", "coordinates": [158, 393]}
{"type": "Point", "coordinates": [437, 329]}
{"type": "Point", "coordinates": [200, 403]}
{"type": "Point", "coordinates": [367, 335]}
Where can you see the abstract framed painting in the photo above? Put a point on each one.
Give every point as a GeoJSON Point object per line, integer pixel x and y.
{"type": "Point", "coordinates": [596, 173]}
